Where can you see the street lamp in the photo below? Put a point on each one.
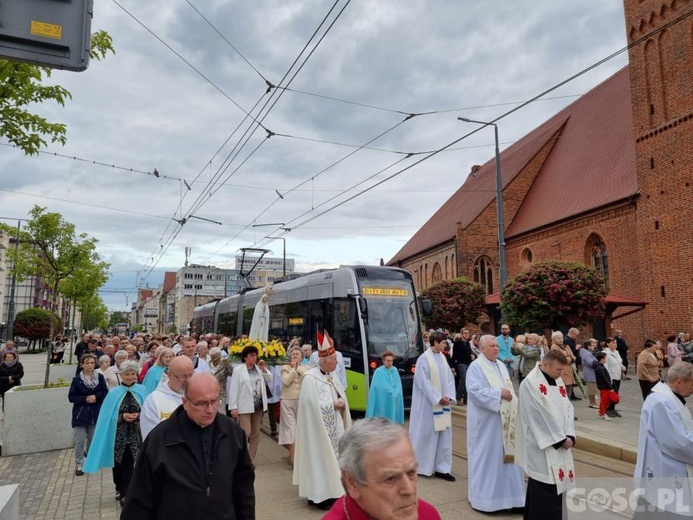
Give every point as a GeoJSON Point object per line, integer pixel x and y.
{"type": "Point", "coordinates": [499, 204]}
{"type": "Point", "coordinates": [280, 224]}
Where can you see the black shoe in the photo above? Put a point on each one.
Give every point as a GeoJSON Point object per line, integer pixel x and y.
{"type": "Point", "coordinates": [119, 496]}
{"type": "Point", "coordinates": [79, 472]}
{"type": "Point", "coordinates": [445, 476]}
{"type": "Point", "coordinates": [614, 413]}
{"type": "Point", "coordinates": [325, 505]}
{"type": "Point", "coordinates": [574, 418]}
{"type": "Point", "coordinates": [575, 398]}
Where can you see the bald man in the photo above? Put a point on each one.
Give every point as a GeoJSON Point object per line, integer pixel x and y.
{"type": "Point", "coordinates": [168, 396]}
{"type": "Point", "coordinates": [194, 465]}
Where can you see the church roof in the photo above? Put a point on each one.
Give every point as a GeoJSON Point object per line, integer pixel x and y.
{"type": "Point", "coordinates": [592, 164]}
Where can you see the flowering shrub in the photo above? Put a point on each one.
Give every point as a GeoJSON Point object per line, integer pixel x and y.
{"type": "Point", "coordinates": [552, 294]}
{"type": "Point", "coordinates": [273, 352]}
{"type": "Point", "coordinates": [455, 303]}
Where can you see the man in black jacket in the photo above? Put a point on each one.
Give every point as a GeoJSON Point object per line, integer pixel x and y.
{"type": "Point", "coordinates": [461, 359]}
{"type": "Point", "coordinates": [194, 465]}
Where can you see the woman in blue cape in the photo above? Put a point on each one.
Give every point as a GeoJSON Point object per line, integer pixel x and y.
{"type": "Point", "coordinates": [158, 369]}
{"type": "Point", "coordinates": [385, 398]}
{"type": "Point", "coordinates": [117, 438]}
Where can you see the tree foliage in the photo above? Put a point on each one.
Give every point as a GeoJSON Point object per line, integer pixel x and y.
{"type": "Point", "coordinates": [94, 313]}
{"type": "Point", "coordinates": [51, 250]}
{"type": "Point", "coordinates": [118, 317]}
{"type": "Point", "coordinates": [553, 294]}
{"type": "Point", "coordinates": [455, 303]}
{"type": "Point", "coordinates": [35, 323]}
{"type": "Point", "coordinates": [22, 87]}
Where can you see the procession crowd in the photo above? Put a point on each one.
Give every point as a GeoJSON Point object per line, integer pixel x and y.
{"type": "Point", "coordinates": [178, 420]}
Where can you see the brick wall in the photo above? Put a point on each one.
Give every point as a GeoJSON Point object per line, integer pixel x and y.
{"type": "Point", "coordinates": [572, 242]}
{"type": "Point", "coordinates": [662, 91]}
{"type": "Point", "coordinates": [421, 266]}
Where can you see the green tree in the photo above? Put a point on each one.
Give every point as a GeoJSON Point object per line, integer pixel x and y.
{"type": "Point", "coordinates": [94, 313]}
{"type": "Point", "coordinates": [35, 324]}
{"type": "Point", "coordinates": [82, 286]}
{"type": "Point", "coordinates": [455, 303]}
{"type": "Point", "coordinates": [22, 87]}
{"type": "Point", "coordinates": [118, 317]}
{"type": "Point", "coordinates": [50, 250]}
{"type": "Point", "coordinates": [553, 294]}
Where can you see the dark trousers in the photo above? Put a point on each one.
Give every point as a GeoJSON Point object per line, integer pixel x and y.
{"type": "Point", "coordinates": [462, 382]}
{"type": "Point", "coordinates": [646, 387]}
{"type": "Point", "coordinates": [272, 413]}
{"type": "Point", "coordinates": [542, 502]}
{"type": "Point", "coordinates": [122, 472]}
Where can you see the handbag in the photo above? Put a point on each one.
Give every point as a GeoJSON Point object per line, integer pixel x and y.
{"type": "Point", "coordinates": [614, 397]}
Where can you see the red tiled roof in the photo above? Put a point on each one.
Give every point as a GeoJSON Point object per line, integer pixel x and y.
{"type": "Point", "coordinates": [611, 299]}
{"type": "Point", "coordinates": [145, 293]}
{"type": "Point", "coordinates": [169, 280]}
{"type": "Point", "coordinates": [591, 165]}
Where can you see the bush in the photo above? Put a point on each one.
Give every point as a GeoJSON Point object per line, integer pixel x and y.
{"type": "Point", "coordinates": [455, 303]}
{"type": "Point", "coordinates": [35, 323]}
{"type": "Point", "coordinates": [553, 294]}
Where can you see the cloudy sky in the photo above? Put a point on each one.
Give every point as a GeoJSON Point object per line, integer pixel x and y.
{"type": "Point", "coordinates": [176, 98]}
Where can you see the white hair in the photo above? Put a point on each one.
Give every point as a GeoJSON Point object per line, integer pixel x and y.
{"type": "Point", "coordinates": [484, 339]}
{"type": "Point", "coordinates": [555, 334]}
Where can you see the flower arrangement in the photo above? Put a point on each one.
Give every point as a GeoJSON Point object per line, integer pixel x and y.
{"type": "Point", "coordinates": [273, 352]}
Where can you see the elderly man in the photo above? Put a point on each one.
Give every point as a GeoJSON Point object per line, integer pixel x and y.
{"type": "Point", "coordinates": [323, 417]}
{"type": "Point", "coordinates": [495, 482]}
{"type": "Point", "coordinates": [168, 396]}
{"type": "Point", "coordinates": [430, 423]}
{"type": "Point", "coordinates": [379, 475]}
{"type": "Point", "coordinates": [340, 371]}
{"type": "Point", "coordinates": [545, 435]}
{"type": "Point", "coordinates": [194, 465]}
{"type": "Point", "coordinates": [664, 467]}
{"type": "Point", "coordinates": [189, 350]}
{"type": "Point", "coordinates": [203, 351]}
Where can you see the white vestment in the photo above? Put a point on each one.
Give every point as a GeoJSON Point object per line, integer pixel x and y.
{"type": "Point", "coordinates": [493, 484]}
{"type": "Point", "coordinates": [318, 430]}
{"type": "Point", "coordinates": [665, 450]}
{"type": "Point", "coordinates": [545, 419]}
{"type": "Point", "coordinates": [433, 449]}
{"type": "Point", "coordinates": [158, 406]}
{"type": "Point", "coordinates": [339, 372]}
{"type": "Point", "coordinates": [259, 327]}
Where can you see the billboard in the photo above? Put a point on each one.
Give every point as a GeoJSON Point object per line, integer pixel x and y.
{"type": "Point", "coordinates": [266, 264]}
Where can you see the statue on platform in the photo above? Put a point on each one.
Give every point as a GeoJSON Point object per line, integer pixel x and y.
{"type": "Point", "coordinates": [259, 328]}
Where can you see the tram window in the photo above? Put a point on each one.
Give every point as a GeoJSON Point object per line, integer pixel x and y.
{"type": "Point", "coordinates": [346, 330]}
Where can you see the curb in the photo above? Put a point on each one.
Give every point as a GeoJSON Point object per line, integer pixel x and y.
{"type": "Point", "coordinates": [587, 442]}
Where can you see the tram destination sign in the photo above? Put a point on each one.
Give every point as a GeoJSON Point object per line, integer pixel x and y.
{"type": "Point", "coordinates": [384, 291]}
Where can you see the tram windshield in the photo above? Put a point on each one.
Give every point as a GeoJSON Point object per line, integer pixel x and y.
{"type": "Point", "coordinates": [392, 319]}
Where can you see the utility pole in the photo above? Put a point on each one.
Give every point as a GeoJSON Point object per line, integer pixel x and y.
{"type": "Point", "coordinates": [12, 305]}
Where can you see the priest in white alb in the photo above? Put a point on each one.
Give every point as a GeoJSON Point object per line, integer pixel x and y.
{"type": "Point", "coordinates": [430, 420]}
{"type": "Point", "coordinates": [664, 467]}
{"type": "Point", "coordinates": [495, 481]}
{"type": "Point", "coordinates": [322, 418]}
{"type": "Point", "coordinates": [545, 436]}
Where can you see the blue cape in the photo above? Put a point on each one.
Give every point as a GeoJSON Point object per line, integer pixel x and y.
{"type": "Point", "coordinates": [385, 397]}
{"type": "Point", "coordinates": [103, 444]}
{"type": "Point", "coordinates": [153, 378]}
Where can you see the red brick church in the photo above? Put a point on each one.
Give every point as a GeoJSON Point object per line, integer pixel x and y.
{"type": "Point", "coordinates": [606, 181]}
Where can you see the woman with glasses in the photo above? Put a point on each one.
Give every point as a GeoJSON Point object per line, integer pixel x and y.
{"type": "Point", "coordinates": [117, 438]}
{"type": "Point", "coordinates": [247, 395]}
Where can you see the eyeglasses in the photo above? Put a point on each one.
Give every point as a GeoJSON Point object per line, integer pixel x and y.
{"type": "Point", "coordinates": [206, 404]}
{"type": "Point", "coordinates": [183, 377]}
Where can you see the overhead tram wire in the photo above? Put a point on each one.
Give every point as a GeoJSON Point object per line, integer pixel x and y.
{"type": "Point", "coordinates": [295, 73]}
{"type": "Point", "coordinates": [502, 116]}
{"type": "Point", "coordinates": [165, 247]}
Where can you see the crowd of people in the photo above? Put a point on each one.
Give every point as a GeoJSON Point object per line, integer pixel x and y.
{"type": "Point", "coordinates": [168, 413]}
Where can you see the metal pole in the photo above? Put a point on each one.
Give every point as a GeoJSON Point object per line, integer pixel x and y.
{"type": "Point", "coordinates": [284, 260]}
{"type": "Point", "coordinates": [501, 223]}
{"type": "Point", "coordinates": [12, 305]}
